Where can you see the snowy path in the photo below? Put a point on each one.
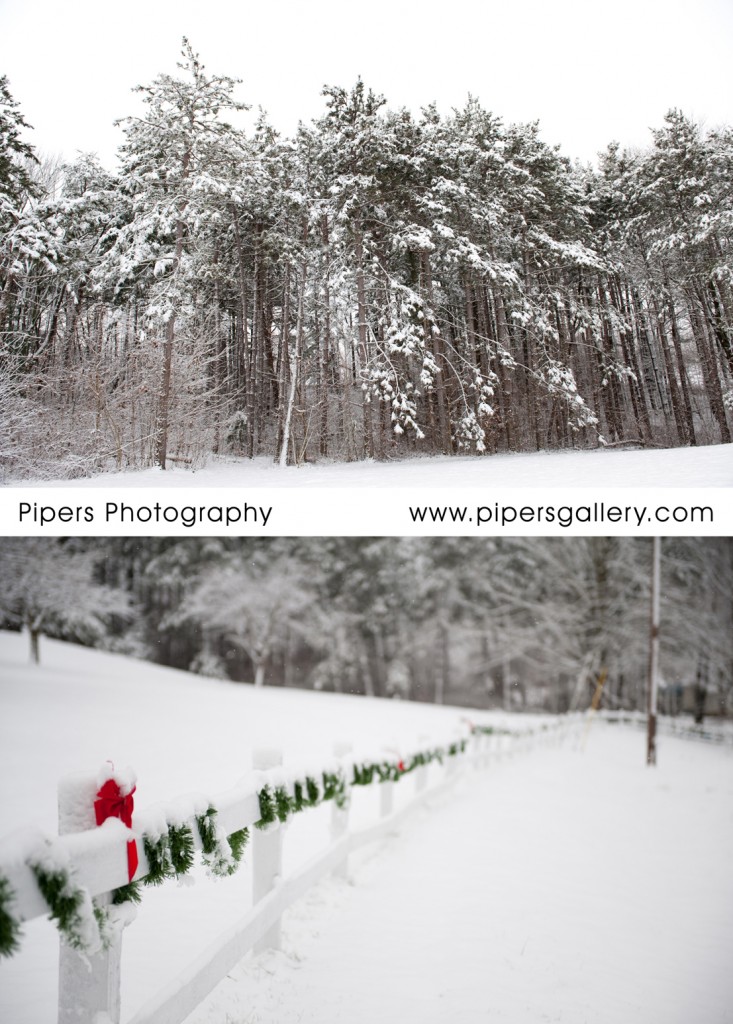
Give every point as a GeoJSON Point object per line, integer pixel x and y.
{"type": "Point", "coordinates": [561, 886]}
{"type": "Point", "coordinates": [707, 466]}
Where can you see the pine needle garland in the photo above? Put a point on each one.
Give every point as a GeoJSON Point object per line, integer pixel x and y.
{"type": "Point", "coordinates": [299, 798]}
{"type": "Point", "coordinates": [363, 774]}
{"type": "Point", "coordinates": [268, 813]}
{"type": "Point", "coordinates": [206, 825]}
{"type": "Point", "coordinates": [160, 865]}
{"type": "Point", "coordinates": [170, 855]}
{"type": "Point", "coordinates": [10, 930]}
{"type": "Point", "coordinates": [130, 893]}
{"type": "Point", "coordinates": [221, 854]}
{"type": "Point", "coordinates": [334, 788]}
{"type": "Point", "coordinates": [238, 842]}
{"type": "Point", "coordinates": [86, 926]}
{"type": "Point", "coordinates": [283, 804]}
{"type": "Point", "coordinates": [180, 840]}
{"type": "Point", "coordinates": [66, 903]}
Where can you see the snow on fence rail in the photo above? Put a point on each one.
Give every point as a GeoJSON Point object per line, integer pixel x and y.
{"type": "Point", "coordinates": [90, 876]}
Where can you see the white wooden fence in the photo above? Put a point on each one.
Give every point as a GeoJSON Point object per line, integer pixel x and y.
{"type": "Point", "coordinates": [89, 988]}
{"type": "Point", "coordinates": [717, 731]}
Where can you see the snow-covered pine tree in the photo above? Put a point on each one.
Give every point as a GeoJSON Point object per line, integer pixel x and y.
{"type": "Point", "coordinates": [173, 159]}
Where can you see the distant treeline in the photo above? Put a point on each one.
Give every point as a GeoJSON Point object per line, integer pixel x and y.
{"type": "Point", "coordinates": [514, 623]}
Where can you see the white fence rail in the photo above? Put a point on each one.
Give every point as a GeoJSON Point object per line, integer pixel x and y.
{"type": "Point", "coordinates": [713, 731]}
{"type": "Point", "coordinates": [97, 861]}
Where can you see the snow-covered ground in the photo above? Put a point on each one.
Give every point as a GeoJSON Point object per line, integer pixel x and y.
{"type": "Point", "coordinates": [569, 885]}
{"type": "Point", "coordinates": [709, 466]}
{"type": "Point", "coordinates": [558, 886]}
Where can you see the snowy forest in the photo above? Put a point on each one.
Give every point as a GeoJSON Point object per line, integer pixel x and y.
{"type": "Point", "coordinates": [518, 624]}
{"type": "Point", "coordinates": [382, 284]}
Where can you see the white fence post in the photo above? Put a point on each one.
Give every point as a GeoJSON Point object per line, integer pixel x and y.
{"type": "Point", "coordinates": [480, 743]}
{"type": "Point", "coordinates": [485, 759]}
{"type": "Point", "coordinates": [386, 798]}
{"type": "Point", "coordinates": [88, 985]}
{"type": "Point", "coordinates": [421, 773]}
{"type": "Point", "coordinates": [267, 853]}
{"type": "Point", "coordinates": [340, 815]}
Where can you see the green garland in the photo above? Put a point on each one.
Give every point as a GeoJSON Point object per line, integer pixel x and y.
{"type": "Point", "coordinates": [313, 792]}
{"type": "Point", "coordinates": [66, 902]}
{"type": "Point", "coordinates": [158, 854]}
{"type": "Point", "coordinates": [130, 893]}
{"type": "Point", "coordinates": [180, 839]}
{"type": "Point", "coordinates": [491, 730]}
{"type": "Point", "coordinates": [279, 805]}
{"type": "Point", "coordinates": [237, 844]}
{"type": "Point", "coordinates": [221, 854]}
{"type": "Point", "coordinates": [392, 771]}
{"type": "Point", "coordinates": [283, 804]}
{"type": "Point", "coordinates": [172, 854]}
{"type": "Point", "coordinates": [268, 813]}
{"type": "Point", "coordinates": [10, 930]}
{"type": "Point", "coordinates": [276, 804]}
{"type": "Point", "coordinates": [363, 774]}
{"type": "Point", "coordinates": [334, 788]}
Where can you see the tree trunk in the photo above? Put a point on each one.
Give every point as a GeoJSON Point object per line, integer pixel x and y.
{"type": "Point", "coordinates": [682, 370]}
{"type": "Point", "coordinates": [435, 342]}
{"type": "Point", "coordinates": [34, 635]}
{"type": "Point", "coordinates": [161, 427]}
{"type": "Point", "coordinates": [294, 366]}
{"type": "Point", "coordinates": [368, 446]}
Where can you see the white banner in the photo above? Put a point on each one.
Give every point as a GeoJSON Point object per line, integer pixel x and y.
{"type": "Point", "coordinates": [361, 511]}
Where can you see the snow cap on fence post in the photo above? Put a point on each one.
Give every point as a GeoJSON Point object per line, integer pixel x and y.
{"type": "Point", "coordinates": [89, 986]}
{"type": "Point", "coordinates": [76, 795]}
{"type": "Point", "coordinates": [266, 852]}
{"type": "Point", "coordinates": [340, 815]}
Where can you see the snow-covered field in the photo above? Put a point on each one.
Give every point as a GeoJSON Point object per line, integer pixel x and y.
{"type": "Point", "coordinates": [562, 884]}
{"type": "Point", "coordinates": [709, 466]}
{"type": "Point", "coordinates": [558, 886]}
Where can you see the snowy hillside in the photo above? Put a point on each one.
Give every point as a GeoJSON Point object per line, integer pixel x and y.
{"type": "Point", "coordinates": [179, 731]}
{"type": "Point", "coordinates": [568, 883]}
{"type": "Point", "coordinates": [705, 466]}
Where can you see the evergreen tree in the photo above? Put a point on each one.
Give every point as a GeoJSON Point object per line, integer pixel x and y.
{"type": "Point", "coordinates": [381, 284]}
{"type": "Point", "coordinates": [170, 163]}
{"type": "Point", "coordinates": [16, 182]}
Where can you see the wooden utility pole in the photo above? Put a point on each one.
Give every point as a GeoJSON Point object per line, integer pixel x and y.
{"type": "Point", "coordinates": [651, 697]}
{"type": "Point", "coordinates": [594, 704]}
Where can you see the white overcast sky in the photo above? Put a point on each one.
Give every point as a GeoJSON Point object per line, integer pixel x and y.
{"type": "Point", "coordinates": [589, 71]}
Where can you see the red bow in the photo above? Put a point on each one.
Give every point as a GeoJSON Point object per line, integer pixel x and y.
{"type": "Point", "coordinates": [110, 803]}
{"type": "Point", "coordinates": [401, 766]}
